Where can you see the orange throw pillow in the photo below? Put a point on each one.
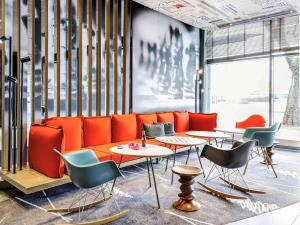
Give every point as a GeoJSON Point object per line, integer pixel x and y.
{"type": "Point", "coordinates": [96, 130]}
{"type": "Point", "coordinates": [41, 157]}
{"type": "Point", "coordinates": [167, 117]}
{"type": "Point", "coordinates": [204, 122]}
{"type": "Point", "coordinates": [181, 121]}
{"type": "Point", "coordinates": [124, 127]}
{"type": "Point", "coordinates": [142, 119]}
{"type": "Point", "coordinates": [72, 127]}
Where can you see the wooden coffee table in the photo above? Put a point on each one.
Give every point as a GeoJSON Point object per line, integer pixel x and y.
{"type": "Point", "coordinates": [181, 141]}
{"type": "Point", "coordinates": [233, 131]}
{"type": "Point", "coordinates": [209, 134]}
{"type": "Point", "coordinates": [186, 200]}
{"type": "Point", "coordinates": [149, 152]}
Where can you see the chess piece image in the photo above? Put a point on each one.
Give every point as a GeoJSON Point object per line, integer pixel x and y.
{"type": "Point", "coordinates": [188, 79]}
{"type": "Point", "coordinates": [163, 72]}
{"type": "Point", "coordinates": [176, 90]}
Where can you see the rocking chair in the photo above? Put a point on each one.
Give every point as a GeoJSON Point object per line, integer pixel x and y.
{"type": "Point", "coordinates": [87, 173]}
{"type": "Point", "coordinates": [229, 162]}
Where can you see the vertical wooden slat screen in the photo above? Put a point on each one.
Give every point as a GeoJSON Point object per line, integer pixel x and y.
{"type": "Point", "coordinates": [90, 55]}
{"type": "Point", "coordinates": [69, 47]}
{"type": "Point", "coordinates": [107, 57]}
{"type": "Point", "coordinates": [32, 61]}
{"type": "Point", "coordinates": [3, 124]}
{"type": "Point", "coordinates": [46, 62]}
{"type": "Point", "coordinates": [124, 66]}
{"type": "Point", "coordinates": [116, 66]}
{"type": "Point", "coordinates": [57, 52]}
{"type": "Point", "coordinates": [98, 55]}
{"type": "Point", "coordinates": [79, 70]}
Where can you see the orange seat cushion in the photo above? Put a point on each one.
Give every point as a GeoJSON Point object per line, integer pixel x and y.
{"type": "Point", "coordinates": [181, 120]}
{"type": "Point", "coordinates": [96, 130]}
{"type": "Point", "coordinates": [165, 117]}
{"type": "Point", "coordinates": [41, 157]}
{"type": "Point", "coordinates": [204, 122]}
{"type": "Point", "coordinates": [124, 127]}
{"type": "Point", "coordinates": [102, 156]}
{"type": "Point", "coordinates": [142, 119]}
{"type": "Point", "coordinates": [73, 134]}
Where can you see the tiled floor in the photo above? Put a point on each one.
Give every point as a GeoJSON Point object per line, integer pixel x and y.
{"type": "Point", "coordinates": [289, 215]}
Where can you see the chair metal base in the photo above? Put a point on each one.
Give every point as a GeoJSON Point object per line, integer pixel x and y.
{"type": "Point", "coordinates": [103, 220]}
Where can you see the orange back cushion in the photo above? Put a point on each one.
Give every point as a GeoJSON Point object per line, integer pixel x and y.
{"type": "Point", "coordinates": [96, 130]}
{"type": "Point", "coordinates": [204, 122]}
{"type": "Point", "coordinates": [124, 127]}
{"type": "Point", "coordinates": [73, 134]}
{"type": "Point", "coordinates": [181, 121]}
{"type": "Point", "coordinates": [142, 119]}
{"type": "Point", "coordinates": [252, 121]}
{"type": "Point", "coordinates": [165, 117]}
{"type": "Point", "coordinates": [41, 157]}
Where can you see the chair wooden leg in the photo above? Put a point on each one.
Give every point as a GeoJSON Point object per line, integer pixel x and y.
{"type": "Point", "coordinates": [103, 220]}
{"type": "Point", "coordinates": [73, 209]}
{"type": "Point", "coordinates": [269, 162]}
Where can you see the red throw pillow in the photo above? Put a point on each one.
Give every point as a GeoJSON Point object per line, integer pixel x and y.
{"type": "Point", "coordinates": [204, 122]}
{"type": "Point", "coordinates": [167, 117]}
{"type": "Point", "coordinates": [124, 127]}
{"type": "Point", "coordinates": [42, 140]}
{"type": "Point", "coordinates": [73, 133]}
{"type": "Point", "coordinates": [181, 121]}
{"type": "Point", "coordinates": [96, 130]}
{"type": "Point", "coordinates": [142, 119]}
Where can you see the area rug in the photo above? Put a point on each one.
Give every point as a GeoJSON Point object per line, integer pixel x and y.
{"type": "Point", "coordinates": [133, 192]}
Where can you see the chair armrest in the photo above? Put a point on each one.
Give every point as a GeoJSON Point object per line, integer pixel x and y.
{"type": "Point", "coordinates": [264, 138]}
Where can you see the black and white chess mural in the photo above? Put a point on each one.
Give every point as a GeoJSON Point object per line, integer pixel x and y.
{"type": "Point", "coordinates": [165, 57]}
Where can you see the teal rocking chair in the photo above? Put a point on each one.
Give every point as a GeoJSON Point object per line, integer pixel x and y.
{"type": "Point", "coordinates": [265, 137]}
{"type": "Point", "coordinates": [88, 173]}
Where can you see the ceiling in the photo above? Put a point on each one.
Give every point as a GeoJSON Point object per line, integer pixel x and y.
{"type": "Point", "coordinates": [211, 14]}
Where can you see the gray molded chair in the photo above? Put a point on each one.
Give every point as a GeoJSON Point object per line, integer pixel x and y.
{"type": "Point", "coordinates": [265, 139]}
{"type": "Point", "coordinates": [249, 132]}
{"type": "Point", "coordinates": [87, 173]}
{"type": "Point", "coordinates": [230, 161]}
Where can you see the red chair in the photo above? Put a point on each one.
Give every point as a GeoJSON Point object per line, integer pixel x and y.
{"type": "Point", "coordinates": [252, 121]}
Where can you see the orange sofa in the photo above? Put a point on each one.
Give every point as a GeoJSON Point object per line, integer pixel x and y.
{"type": "Point", "coordinates": [100, 133]}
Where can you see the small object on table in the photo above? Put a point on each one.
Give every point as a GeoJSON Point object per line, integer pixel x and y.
{"type": "Point", "coordinates": [187, 202]}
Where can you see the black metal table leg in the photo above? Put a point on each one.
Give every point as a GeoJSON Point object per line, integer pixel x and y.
{"type": "Point", "coordinates": [148, 171]}
{"type": "Point", "coordinates": [167, 163]}
{"type": "Point", "coordinates": [174, 163]}
{"type": "Point", "coordinates": [222, 142]}
{"type": "Point", "coordinates": [197, 151]}
{"type": "Point", "coordinates": [157, 198]}
{"type": "Point", "coordinates": [112, 188]}
{"type": "Point", "coordinates": [187, 158]}
{"type": "Point", "coordinates": [232, 138]}
{"type": "Point", "coordinates": [216, 142]}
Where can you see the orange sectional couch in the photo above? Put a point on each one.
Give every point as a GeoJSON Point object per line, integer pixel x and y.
{"type": "Point", "coordinates": [100, 133]}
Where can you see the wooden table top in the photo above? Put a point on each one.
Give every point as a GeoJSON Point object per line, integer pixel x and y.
{"type": "Point", "coordinates": [187, 170]}
{"type": "Point", "coordinates": [182, 141]}
{"type": "Point", "coordinates": [231, 130]}
{"type": "Point", "coordinates": [148, 151]}
{"type": "Point", "coordinates": [208, 134]}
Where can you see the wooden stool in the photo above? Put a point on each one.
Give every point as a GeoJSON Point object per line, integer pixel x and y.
{"type": "Point", "coordinates": [187, 173]}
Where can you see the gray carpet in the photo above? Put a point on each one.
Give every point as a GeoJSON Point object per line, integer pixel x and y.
{"type": "Point", "coordinates": [133, 193]}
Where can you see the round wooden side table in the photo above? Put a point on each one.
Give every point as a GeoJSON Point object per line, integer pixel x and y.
{"type": "Point", "coordinates": [186, 202]}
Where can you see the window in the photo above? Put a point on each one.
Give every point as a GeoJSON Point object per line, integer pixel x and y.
{"type": "Point", "coordinates": [239, 89]}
